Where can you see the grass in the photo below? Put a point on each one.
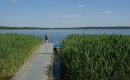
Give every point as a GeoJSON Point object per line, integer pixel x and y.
{"type": "Point", "coordinates": [15, 49]}
{"type": "Point", "coordinates": [95, 57]}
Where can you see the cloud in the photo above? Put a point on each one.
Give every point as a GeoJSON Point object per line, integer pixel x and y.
{"type": "Point", "coordinates": [13, 0]}
{"type": "Point", "coordinates": [52, 3]}
{"type": "Point", "coordinates": [108, 12]}
{"type": "Point", "coordinates": [114, 12]}
{"type": "Point", "coordinates": [70, 16]}
{"type": "Point", "coordinates": [81, 6]}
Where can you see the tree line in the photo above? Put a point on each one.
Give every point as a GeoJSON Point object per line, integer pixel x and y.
{"type": "Point", "coordinates": [33, 28]}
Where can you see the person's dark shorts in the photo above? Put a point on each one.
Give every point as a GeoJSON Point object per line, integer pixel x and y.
{"type": "Point", "coordinates": [46, 38]}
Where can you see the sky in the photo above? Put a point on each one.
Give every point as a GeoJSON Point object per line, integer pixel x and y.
{"type": "Point", "coordinates": [64, 13]}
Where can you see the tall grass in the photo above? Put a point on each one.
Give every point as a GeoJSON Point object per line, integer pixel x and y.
{"type": "Point", "coordinates": [15, 49]}
{"type": "Point", "coordinates": [95, 57]}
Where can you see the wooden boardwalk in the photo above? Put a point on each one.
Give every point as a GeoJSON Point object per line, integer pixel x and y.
{"type": "Point", "coordinates": [37, 67]}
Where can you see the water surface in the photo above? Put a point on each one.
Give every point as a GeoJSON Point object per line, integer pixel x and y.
{"type": "Point", "coordinates": [57, 35]}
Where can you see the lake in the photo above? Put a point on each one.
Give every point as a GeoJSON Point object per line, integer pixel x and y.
{"type": "Point", "coordinates": [57, 35]}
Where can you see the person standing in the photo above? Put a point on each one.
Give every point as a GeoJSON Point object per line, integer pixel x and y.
{"type": "Point", "coordinates": [46, 38]}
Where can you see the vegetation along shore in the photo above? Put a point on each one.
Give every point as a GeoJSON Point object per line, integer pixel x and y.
{"type": "Point", "coordinates": [15, 49]}
{"type": "Point", "coordinates": [41, 28]}
{"type": "Point", "coordinates": [95, 57]}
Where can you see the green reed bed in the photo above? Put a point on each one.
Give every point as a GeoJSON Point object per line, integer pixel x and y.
{"type": "Point", "coordinates": [15, 49]}
{"type": "Point", "coordinates": [95, 57]}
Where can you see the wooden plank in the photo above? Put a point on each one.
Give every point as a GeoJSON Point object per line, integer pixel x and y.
{"type": "Point", "coordinates": [36, 68]}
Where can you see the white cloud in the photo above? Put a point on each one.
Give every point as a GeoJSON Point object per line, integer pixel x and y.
{"type": "Point", "coordinates": [70, 16]}
{"type": "Point", "coordinates": [81, 6]}
{"type": "Point", "coordinates": [52, 3]}
{"type": "Point", "coordinates": [13, 0]}
{"type": "Point", "coordinates": [108, 12]}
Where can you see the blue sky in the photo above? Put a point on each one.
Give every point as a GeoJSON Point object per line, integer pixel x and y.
{"type": "Point", "coordinates": [64, 13]}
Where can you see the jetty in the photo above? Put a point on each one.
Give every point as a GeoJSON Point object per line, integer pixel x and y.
{"type": "Point", "coordinates": [37, 67]}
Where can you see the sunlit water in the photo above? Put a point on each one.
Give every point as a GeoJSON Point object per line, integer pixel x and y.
{"type": "Point", "coordinates": [57, 35]}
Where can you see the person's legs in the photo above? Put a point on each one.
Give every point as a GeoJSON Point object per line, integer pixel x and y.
{"type": "Point", "coordinates": [46, 41]}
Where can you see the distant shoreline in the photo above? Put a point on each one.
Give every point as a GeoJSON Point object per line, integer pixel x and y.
{"type": "Point", "coordinates": [40, 28]}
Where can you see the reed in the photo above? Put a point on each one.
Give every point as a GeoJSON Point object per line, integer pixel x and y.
{"type": "Point", "coordinates": [15, 49]}
{"type": "Point", "coordinates": [95, 57]}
